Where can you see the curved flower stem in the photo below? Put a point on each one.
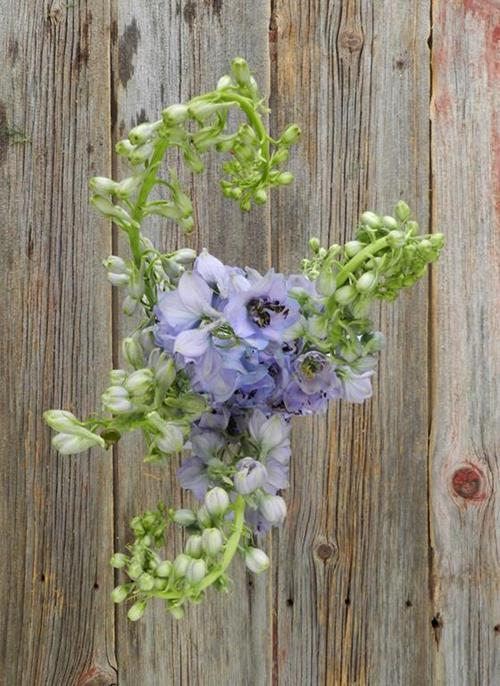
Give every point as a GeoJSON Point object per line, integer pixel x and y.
{"type": "Point", "coordinates": [358, 259]}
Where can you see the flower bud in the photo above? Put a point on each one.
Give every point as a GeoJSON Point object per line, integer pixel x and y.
{"type": "Point", "coordinates": [371, 219]}
{"type": "Point", "coordinates": [216, 501]}
{"type": "Point", "coordinates": [250, 475]}
{"type": "Point", "coordinates": [396, 239]}
{"type": "Point", "coordinates": [116, 399]}
{"type": "Point", "coordinates": [241, 71]}
{"type": "Point", "coordinates": [117, 377]}
{"type": "Point", "coordinates": [120, 593]}
{"type": "Point", "coordinates": [352, 248]}
{"type": "Point", "coordinates": [256, 560]}
{"type": "Point", "coordinates": [115, 264]}
{"type": "Point", "coordinates": [164, 569]}
{"type": "Point", "coordinates": [224, 82]}
{"type": "Point", "coordinates": [129, 306]}
{"type": "Point", "coordinates": [101, 184]}
{"type": "Point", "coordinates": [284, 178]}
{"type": "Point", "coordinates": [260, 196]}
{"type": "Point", "coordinates": [137, 610]}
{"type": "Point", "coordinates": [402, 211]}
{"type": "Point", "coordinates": [107, 209]}
{"type": "Point", "coordinates": [345, 295]}
{"type": "Point", "coordinates": [196, 571]}
{"type": "Point", "coordinates": [68, 444]}
{"type": "Point", "coordinates": [389, 222]}
{"type": "Point", "coordinates": [118, 279]}
{"type": "Point", "coordinates": [61, 420]}
{"type": "Point", "coordinates": [139, 382]}
{"type": "Point", "coordinates": [366, 282]}
{"type": "Point", "coordinates": [170, 438]}
{"type": "Point", "coordinates": [212, 542]}
{"type": "Point", "coordinates": [165, 372]}
{"type": "Point", "coordinates": [124, 147]}
{"type": "Point", "coordinates": [203, 109]}
{"type": "Point", "coordinates": [314, 244]}
{"type": "Point", "coordinates": [177, 611]}
{"type": "Point", "coordinates": [326, 283]}
{"type": "Point", "coordinates": [143, 132]}
{"type": "Point", "coordinates": [175, 114]}
{"type": "Point", "coordinates": [145, 582]}
{"type": "Point", "coordinates": [127, 186]}
{"type": "Point", "coordinates": [203, 517]}
{"type": "Point", "coordinates": [132, 352]}
{"type": "Point", "coordinates": [119, 560]}
{"type": "Point", "coordinates": [281, 155]}
{"type": "Point", "coordinates": [193, 546]}
{"type": "Point", "coordinates": [290, 135]}
{"type": "Point", "coordinates": [273, 509]}
{"type": "Point", "coordinates": [181, 563]}
{"type": "Point", "coordinates": [184, 517]}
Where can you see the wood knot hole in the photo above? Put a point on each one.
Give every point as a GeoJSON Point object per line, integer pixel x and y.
{"type": "Point", "coordinates": [351, 40]}
{"type": "Point", "coordinates": [467, 482]}
{"type": "Point", "coordinates": [325, 550]}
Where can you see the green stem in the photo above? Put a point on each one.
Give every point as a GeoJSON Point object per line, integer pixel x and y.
{"type": "Point", "coordinates": [358, 259]}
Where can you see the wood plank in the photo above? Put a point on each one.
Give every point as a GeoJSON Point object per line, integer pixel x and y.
{"type": "Point", "coordinates": [352, 584]}
{"type": "Point", "coordinates": [55, 349]}
{"type": "Point", "coordinates": [167, 52]}
{"type": "Point", "coordinates": [464, 486]}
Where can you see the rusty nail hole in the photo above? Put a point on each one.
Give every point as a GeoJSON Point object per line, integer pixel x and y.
{"type": "Point", "coordinates": [467, 482]}
{"type": "Point", "coordinates": [325, 550]}
{"type": "Point", "coordinates": [42, 577]}
{"type": "Point", "coordinates": [96, 585]}
{"type": "Point", "coordinates": [496, 628]}
{"type": "Point", "coordinates": [409, 603]}
{"type": "Point", "coordinates": [436, 622]}
{"type": "Point", "coordinates": [289, 602]}
{"type": "Point", "coordinates": [347, 601]}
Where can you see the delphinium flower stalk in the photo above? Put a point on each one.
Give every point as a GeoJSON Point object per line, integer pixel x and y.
{"type": "Point", "coordinates": [223, 356]}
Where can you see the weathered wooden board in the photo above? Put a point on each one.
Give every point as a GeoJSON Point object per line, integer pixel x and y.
{"type": "Point", "coordinates": [464, 470]}
{"type": "Point", "coordinates": [56, 621]}
{"type": "Point", "coordinates": [352, 581]}
{"type": "Point", "coordinates": [167, 52]}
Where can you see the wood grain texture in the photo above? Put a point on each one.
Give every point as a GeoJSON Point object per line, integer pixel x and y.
{"type": "Point", "coordinates": [167, 52]}
{"type": "Point", "coordinates": [352, 581]}
{"type": "Point", "coordinates": [464, 497]}
{"type": "Point", "coordinates": [56, 621]}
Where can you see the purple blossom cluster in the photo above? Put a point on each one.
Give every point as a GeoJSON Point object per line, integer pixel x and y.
{"type": "Point", "coordinates": [243, 341]}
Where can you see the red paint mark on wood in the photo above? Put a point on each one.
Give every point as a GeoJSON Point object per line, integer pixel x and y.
{"type": "Point", "coordinates": [98, 676]}
{"type": "Point", "coordinates": [495, 144]}
{"type": "Point", "coordinates": [468, 483]}
{"type": "Point", "coordinates": [442, 105]}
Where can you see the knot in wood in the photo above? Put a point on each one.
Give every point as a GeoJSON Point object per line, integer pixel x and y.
{"type": "Point", "coordinates": [325, 550]}
{"type": "Point", "coordinates": [467, 482]}
{"type": "Point", "coordinates": [351, 40]}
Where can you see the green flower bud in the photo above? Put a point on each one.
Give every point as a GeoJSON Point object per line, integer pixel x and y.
{"type": "Point", "coordinates": [366, 282]}
{"type": "Point", "coordinates": [143, 132]}
{"type": "Point", "coordinates": [371, 219]}
{"type": "Point", "coordinates": [117, 400]}
{"type": "Point", "coordinates": [256, 560]}
{"type": "Point", "coordinates": [246, 135]}
{"type": "Point", "coordinates": [284, 179]}
{"type": "Point", "coordinates": [117, 377]}
{"type": "Point", "coordinates": [314, 244]}
{"type": "Point", "coordinates": [224, 82]}
{"type": "Point", "coordinates": [389, 222]}
{"type": "Point", "coordinates": [193, 546]}
{"type": "Point", "coordinates": [212, 541]}
{"type": "Point", "coordinates": [175, 114]}
{"type": "Point", "coordinates": [216, 501]}
{"type": "Point", "coordinates": [402, 211]}
{"type": "Point", "coordinates": [110, 211]}
{"type": "Point", "coordinates": [136, 611]}
{"type": "Point", "coordinates": [119, 560]}
{"type": "Point", "coordinates": [177, 611]}
{"type": "Point", "coordinates": [61, 420]}
{"type": "Point", "coordinates": [132, 352]}
{"type": "Point", "coordinates": [345, 295]}
{"type": "Point", "coordinates": [184, 517]}
{"type": "Point", "coordinates": [120, 593]}
{"type": "Point", "coordinates": [100, 184]}
{"type": "Point", "coordinates": [290, 135]}
{"type": "Point", "coordinates": [141, 153]}
{"type": "Point", "coordinates": [203, 109]}
{"type": "Point", "coordinates": [129, 306]}
{"type": "Point", "coordinates": [203, 517]}
{"type": "Point", "coordinates": [352, 248]}
{"type": "Point", "coordinates": [412, 228]}
{"type": "Point", "coordinates": [241, 71]}
{"type": "Point", "coordinates": [196, 571]}
{"type": "Point", "coordinates": [437, 240]}
{"type": "Point", "coordinates": [281, 155]}
{"type": "Point", "coordinates": [164, 569]}
{"type": "Point", "coordinates": [134, 570]}
{"type": "Point", "coordinates": [326, 283]}
{"type": "Point", "coordinates": [396, 239]}
{"type": "Point", "coordinates": [165, 373]}
{"type": "Point", "coordinates": [181, 563]}
{"type": "Point", "coordinates": [124, 147]}
{"type": "Point", "coordinates": [127, 186]}
{"type": "Point", "coordinates": [260, 196]}
{"type": "Point", "coordinates": [139, 382]}
{"type": "Point", "coordinates": [116, 264]}
{"type": "Point", "coordinates": [145, 582]}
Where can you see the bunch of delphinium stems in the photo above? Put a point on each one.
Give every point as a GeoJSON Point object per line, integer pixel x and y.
{"type": "Point", "coordinates": [223, 357]}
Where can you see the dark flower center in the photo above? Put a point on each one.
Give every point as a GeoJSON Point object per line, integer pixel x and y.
{"type": "Point", "coordinates": [312, 365]}
{"type": "Point", "coordinates": [260, 310]}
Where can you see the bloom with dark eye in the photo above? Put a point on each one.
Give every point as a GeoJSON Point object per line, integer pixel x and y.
{"type": "Point", "coordinates": [263, 312]}
{"type": "Point", "coordinates": [314, 372]}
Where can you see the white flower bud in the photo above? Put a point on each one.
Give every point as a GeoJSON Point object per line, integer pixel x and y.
{"type": "Point", "coordinates": [165, 372]}
{"type": "Point", "coordinates": [124, 147]}
{"type": "Point", "coordinates": [181, 563]}
{"type": "Point", "coordinates": [145, 582]}
{"type": "Point", "coordinates": [203, 517]}
{"type": "Point", "coordinates": [139, 382]}
{"type": "Point", "coordinates": [196, 571]}
{"type": "Point", "coordinates": [116, 399]}
{"type": "Point", "coordinates": [132, 352]}
{"type": "Point", "coordinates": [127, 186]}
{"type": "Point", "coordinates": [366, 282]}
{"type": "Point", "coordinates": [136, 287]}
{"type": "Point", "coordinates": [202, 110]}
{"type": "Point", "coordinates": [389, 222]}
{"type": "Point", "coordinates": [100, 184]}
{"type": "Point", "coordinates": [193, 546]}
{"type": "Point", "coordinates": [371, 219]}
{"type": "Point", "coordinates": [402, 211]}
{"type": "Point", "coordinates": [250, 475]}
{"type": "Point", "coordinates": [325, 282]}
{"type": "Point", "coordinates": [224, 82]}
{"type": "Point", "coordinates": [61, 420]}
{"type": "Point", "coordinates": [216, 501]}
{"type": "Point", "coordinates": [256, 560]}
{"type": "Point", "coordinates": [107, 209]}
{"type": "Point", "coordinates": [184, 517]}
{"type": "Point", "coordinates": [129, 306]}
{"type": "Point", "coordinates": [396, 239]}
{"type": "Point", "coordinates": [345, 295]}
{"type": "Point", "coordinates": [117, 377]}
{"type": "Point", "coordinates": [141, 153]}
{"type": "Point", "coordinates": [184, 256]}
{"type": "Point", "coordinates": [273, 509]}
{"type": "Point", "coordinates": [352, 248]}
{"type": "Point", "coordinates": [212, 541]}
{"type": "Point", "coordinates": [170, 438]}
{"type": "Point", "coordinates": [115, 264]}
{"type": "Point", "coordinates": [136, 611]}
{"type": "Point", "coordinates": [118, 279]}
{"type": "Point", "coordinates": [69, 444]}
{"type": "Point", "coordinates": [175, 114]}
{"type": "Point", "coordinates": [241, 71]}
{"type": "Point", "coordinates": [177, 611]}
{"type": "Point", "coordinates": [143, 132]}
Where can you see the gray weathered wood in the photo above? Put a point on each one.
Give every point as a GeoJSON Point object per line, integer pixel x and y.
{"type": "Point", "coordinates": [352, 580]}
{"type": "Point", "coordinates": [56, 621]}
{"type": "Point", "coordinates": [464, 499]}
{"type": "Point", "coordinates": [165, 53]}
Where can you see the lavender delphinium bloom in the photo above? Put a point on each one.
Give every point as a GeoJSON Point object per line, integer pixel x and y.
{"type": "Point", "coordinates": [314, 382]}
{"type": "Point", "coordinates": [271, 437]}
{"type": "Point", "coordinates": [263, 312]}
{"type": "Point", "coordinates": [250, 475]}
{"type": "Point", "coordinates": [197, 472]}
